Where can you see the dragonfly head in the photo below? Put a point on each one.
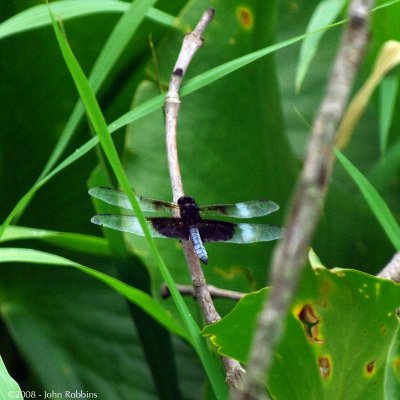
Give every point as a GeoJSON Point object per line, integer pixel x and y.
{"type": "Point", "coordinates": [186, 200]}
{"type": "Point", "coordinates": [189, 210]}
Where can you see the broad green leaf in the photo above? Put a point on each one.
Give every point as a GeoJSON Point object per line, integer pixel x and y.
{"type": "Point", "coordinates": [374, 200]}
{"type": "Point", "coordinates": [141, 299]}
{"type": "Point", "coordinates": [393, 372]}
{"type": "Point", "coordinates": [38, 16]}
{"type": "Point", "coordinates": [71, 241]}
{"type": "Point", "coordinates": [338, 336]}
{"type": "Point", "coordinates": [231, 140]}
{"type": "Point", "coordinates": [68, 327]}
{"type": "Point", "coordinates": [325, 13]}
{"type": "Point", "coordinates": [9, 389]}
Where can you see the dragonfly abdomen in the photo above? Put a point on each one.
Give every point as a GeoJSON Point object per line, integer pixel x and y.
{"type": "Point", "coordinates": [198, 244]}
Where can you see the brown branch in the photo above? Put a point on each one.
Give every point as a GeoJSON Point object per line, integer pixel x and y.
{"type": "Point", "coordinates": [191, 43]}
{"type": "Point", "coordinates": [392, 269]}
{"type": "Point", "coordinates": [216, 293]}
{"type": "Point", "coordinates": [290, 254]}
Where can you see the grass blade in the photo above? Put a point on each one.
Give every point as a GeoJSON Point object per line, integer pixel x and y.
{"type": "Point", "coordinates": [116, 43]}
{"type": "Point", "coordinates": [374, 200]}
{"type": "Point", "coordinates": [71, 241]}
{"type": "Point", "coordinates": [325, 13]}
{"type": "Point", "coordinates": [38, 16]}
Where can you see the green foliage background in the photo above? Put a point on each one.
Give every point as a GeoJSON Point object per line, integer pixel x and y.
{"type": "Point", "coordinates": [240, 138]}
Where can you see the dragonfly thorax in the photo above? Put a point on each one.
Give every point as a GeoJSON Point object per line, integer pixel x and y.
{"type": "Point", "coordinates": [189, 210]}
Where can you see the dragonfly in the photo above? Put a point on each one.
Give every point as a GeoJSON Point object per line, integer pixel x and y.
{"type": "Point", "coordinates": [193, 222]}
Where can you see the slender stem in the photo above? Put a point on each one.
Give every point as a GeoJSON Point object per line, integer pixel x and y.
{"type": "Point", "coordinates": [214, 291]}
{"type": "Point", "coordinates": [289, 257]}
{"type": "Point", "coordinates": [191, 43]}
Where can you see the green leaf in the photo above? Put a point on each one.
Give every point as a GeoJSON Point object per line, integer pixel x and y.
{"type": "Point", "coordinates": [393, 372]}
{"type": "Point", "coordinates": [71, 241]}
{"type": "Point", "coordinates": [374, 200]}
{"type": "Point", "coordinates": [9, 389]}
{"type": "Point", "coordinates": [231, 139]}
{"type": "Point", "coordinates": [100, 127]}
{"type": "Point", "coordinates": [324, 14]}
{"type": "Point", "coordinates": [338, 336]}
{"type": "Point", "coordinates": [138, 112]}
{"type": "Point", "coordinates": [385, 169]}
{"type": "Point", "coordinates": [202, 80]}
{"type": "Point", "coordinates": [38, 16]}
{"type": "Point", "coordinates": [68, 326]}
{"type": "Point", "coordinates": [141, 299]}
{"type": "Point", "coordinates": [388, 94]}
{"type": "Point", "coordinates": [112, 50]}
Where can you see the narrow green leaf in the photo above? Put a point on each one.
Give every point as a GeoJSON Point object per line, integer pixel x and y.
{"type": "Point", "coordinates": [38, 16]}
{"type": "Point", "coordinates": [71, 241]}
{"type": "Point", "coordinates": [387, 100]}
{"type": "Point", "coordinates": [100, 127]}
{"type": "Point", "coordinates": [325, 13]}
{"type": "Point", "coordinates": [111, 51]}
{"type": "Point", "coordinates": [201, 81]}
{"type": "Point", "coordinates": [141, 299]}
{"type": "Point", "coordinates": [374, 200]}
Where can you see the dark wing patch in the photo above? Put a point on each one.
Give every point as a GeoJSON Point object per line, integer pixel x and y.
{"type": "Point", "coordinates": [215, 231]}
{"type": "Point", "coordinates": [170, 227]}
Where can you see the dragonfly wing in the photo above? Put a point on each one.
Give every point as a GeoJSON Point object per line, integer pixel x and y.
{"type": "Point", "coordinates": [216, 231]}
{"type": "Point", "coordinates": [120, 199]}
{"type": "Point", "coordinates": [250, 233]}
{"type": "Point", "coordinates": [247, 209]}
{"type": "Point", "coordinates": [170, 227]}
{"type": "Point", "coordinates": [124, 223]}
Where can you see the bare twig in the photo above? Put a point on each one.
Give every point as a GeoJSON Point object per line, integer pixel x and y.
{"type": "Point", "coordinates": [191, 43]}
{"type": "Point", "coordinates": [289, 257]}
{"type": "Point", "coordinates": [392, 270]}
{"type": "Point", "coordinates": [213, 290]}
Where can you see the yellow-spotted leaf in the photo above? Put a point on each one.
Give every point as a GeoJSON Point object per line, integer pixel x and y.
{"type": "Point", "coordinates": [338, 337]}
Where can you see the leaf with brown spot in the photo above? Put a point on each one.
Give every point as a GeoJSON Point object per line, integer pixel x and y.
{"type": "Point", "coordinates": [337, 341]}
